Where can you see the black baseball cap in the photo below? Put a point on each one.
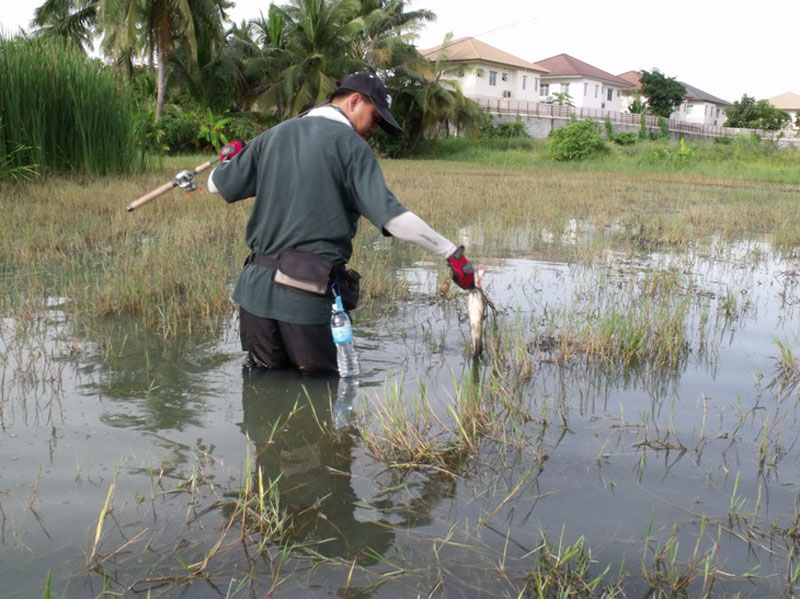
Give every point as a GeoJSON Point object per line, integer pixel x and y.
{"type": "Point", "coordinates": [371, 86]}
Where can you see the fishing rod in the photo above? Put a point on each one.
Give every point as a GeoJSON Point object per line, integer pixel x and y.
{"type": "Point", "coordinates": [184, 179]}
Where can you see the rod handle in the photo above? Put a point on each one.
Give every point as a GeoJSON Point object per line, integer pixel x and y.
{"type": "Point", "coordinates": [151, 196]}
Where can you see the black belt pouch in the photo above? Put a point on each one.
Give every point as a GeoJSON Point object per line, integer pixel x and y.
{"type": "Point", "coordinates": [303, 270]}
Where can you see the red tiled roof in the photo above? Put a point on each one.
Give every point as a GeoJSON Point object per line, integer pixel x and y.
{"type": "Point", "coordinates": [564, 65]}
{"type": "Point", "coordinates": [632, 77]}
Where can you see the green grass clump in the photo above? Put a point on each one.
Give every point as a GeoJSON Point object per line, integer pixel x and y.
{"type": "Point", "coordinates": [61, 112]}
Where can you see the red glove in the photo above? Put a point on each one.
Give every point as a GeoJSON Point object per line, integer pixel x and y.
{"type": "Point", "coordinates": [463, 273]}
{"type": "Point", "coordinates": [229, 151]}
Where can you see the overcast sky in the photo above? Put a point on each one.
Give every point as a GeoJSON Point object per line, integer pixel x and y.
{"type": "Point", "coordinates": [717, 47]}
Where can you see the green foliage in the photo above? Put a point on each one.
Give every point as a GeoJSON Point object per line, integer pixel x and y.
{"type": "Point", "coordinates": [663, 124]}
{"type": "Point", "coordinates": [663, 93]}
{"type": "Point", "coordinates": [503, 130]}
{"type": "Point", "coordinates": [562, 99]}
{"type": "Point", "coordinates": [638, 107]}
{"type": "Point", "coordinates": [61, 111]}
{"type": "Point", "coordinates": [624, 138]}
{"type": "Point", "coordinates": [177, 131]}
{"type": "Point", "coordinates": [211, 129]}
{"type": "Point", "coordinates": [10, 170]}
{"type": "Point", "coordinates": [577, 141]}
{"type": "Point", "coordinates": [243, 128]}
{"type": "Point", "coordinates": [671, 156]}
{"type": "Point", "coordinates": [643, 126]}
{"type": "Point", "coordinates": [748, 113]}
{"type": "Point", "coordinates": [609, 128]}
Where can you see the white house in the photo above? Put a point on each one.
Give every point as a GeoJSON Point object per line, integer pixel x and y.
{"type": "Point", "coordinates": [698, 106]}
{"type": "Point", "coordinates": [790, 102]}
{"type": "Point", "coordinates": [701, 107]}
{"type": "Point", "coordinates": [586, 85]}
{"type": "Point", "coordinates": [487, 72]}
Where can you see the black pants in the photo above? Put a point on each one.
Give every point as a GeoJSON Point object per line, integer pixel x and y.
{"type": "Point", "coordinates": [276, 344]}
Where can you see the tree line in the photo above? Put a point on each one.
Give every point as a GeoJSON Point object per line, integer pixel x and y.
{"type": "Point", "coordinates": [665, 94]}
{"type": "Point", "coordinates": [194, 72]}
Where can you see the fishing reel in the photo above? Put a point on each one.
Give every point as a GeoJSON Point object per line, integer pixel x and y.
{"type": "Point", "coordinates": [186, 181]}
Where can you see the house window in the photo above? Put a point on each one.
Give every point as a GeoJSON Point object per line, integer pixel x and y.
{"type": "Point", "coordinates": [504, 76]}
{"type": "Point", "coordinates": [595, 90]}
{"type": "Point", "coordinates": [492, 77]}
{"type": "Point", "coordinates": [610, 94]}
{"type": "Point", "coordinates": [585, 88]}
{"type": "Point", "coordinates": [524, 82]}
{"type": "Point", "coordinates": [544, 89]}
{"type": "Point", "coordinates": [565, 88]}
{"type": "Point", "coordinates": [689, 108]}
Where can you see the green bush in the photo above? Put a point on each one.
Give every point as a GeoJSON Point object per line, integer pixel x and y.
{"type": "Point", "coordinates": [504, 130]}
{"type": "Point", "coordinates": [243, 128]}
{"type": "Point", "coordinates": [577, 141]}
{"type": "Point", "coordinates": [624, 138]}
{"type": "Point", "coordinates": [669, 155]}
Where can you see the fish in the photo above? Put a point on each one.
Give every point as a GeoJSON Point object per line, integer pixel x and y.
{"type": "Point", "coordinates": [477, 302]}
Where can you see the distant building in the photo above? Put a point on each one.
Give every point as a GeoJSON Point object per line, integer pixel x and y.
{"type": "Point", "coordinates": [790, 102]}
{"type": "Point", "coordinates": [586, 85]}
{"type": "Point", "coordinates": [698, 107]}
{"type": "Point", "coordinates": [489, 73]}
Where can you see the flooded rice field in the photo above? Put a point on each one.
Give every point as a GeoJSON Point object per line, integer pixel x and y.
{"type": "Point", "coordinates": [630, 430]}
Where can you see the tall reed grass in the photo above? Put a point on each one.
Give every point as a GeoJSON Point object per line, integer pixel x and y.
{"type": "Point", "coordinates": [61, 112]}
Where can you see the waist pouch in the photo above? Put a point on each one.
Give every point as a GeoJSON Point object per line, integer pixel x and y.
{"type": "Point", "coordinates": [309, 272]}
{"type": "Point", "coordinates": [348, 285]}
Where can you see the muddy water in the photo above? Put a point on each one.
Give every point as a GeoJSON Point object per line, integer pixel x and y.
{"type": "Point", "coordinates": [702, 453]}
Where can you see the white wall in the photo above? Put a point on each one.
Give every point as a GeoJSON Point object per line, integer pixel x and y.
{"type": "Point", "coordinates": [473, 84]}
{"type": "Point", "coordinates": [702, 113]}
{"type": "Point", "coordinates": [588, 93]}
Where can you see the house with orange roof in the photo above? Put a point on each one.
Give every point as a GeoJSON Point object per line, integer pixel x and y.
{"type": "Point", "coordinates": [790, 102]}
{"type": "Point", "coordinates": [486, 72]}
{"type": "Point", "coordinates": [587, 86]}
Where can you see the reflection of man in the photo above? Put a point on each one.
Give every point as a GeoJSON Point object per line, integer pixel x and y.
{"type": "Point", "coordinates": [312, 463]}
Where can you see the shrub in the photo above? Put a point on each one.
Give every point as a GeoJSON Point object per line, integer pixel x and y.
{"type": "Point", "coordinates": [624, 138]}
{"type": "Point", "coordinates": [505, 130]}
{"type": "Point", "coordinates": [243, 128]}
{"type": "Point", "coordinates": [670, 156]}
{"type": "Point", "coordinates": [577, 141]}
{"type": "Point", "coordinates": [663, 124]}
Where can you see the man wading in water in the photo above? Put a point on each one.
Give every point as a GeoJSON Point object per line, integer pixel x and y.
{"type": "Point", "coordinates": [312, 178]}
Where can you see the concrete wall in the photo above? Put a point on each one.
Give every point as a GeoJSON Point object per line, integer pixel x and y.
{"type": "Point", "coordinates": [540, 126]}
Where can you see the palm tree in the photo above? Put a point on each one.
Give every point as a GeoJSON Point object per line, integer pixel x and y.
{"type": "Point", "coordinates": [260, 54]}
{"type": "Point", "coordinates": [72, 21]}
{"type": "Point", "coordinates": [428, 98]}
{"type": "Point", "coordinates": [389, 31]}
{"type": "Point", "coordinates": [152, 28]}
{"type": "Point", "coordinates": [319, 35]}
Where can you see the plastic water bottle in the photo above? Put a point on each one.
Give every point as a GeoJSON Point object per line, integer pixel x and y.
{"type": "Point", "coordinates": [342, 329]}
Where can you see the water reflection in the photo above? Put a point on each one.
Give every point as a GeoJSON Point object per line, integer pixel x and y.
{"type": "Point", "coordinates": [154, 383]}
{"type": "Point", "coordinates": [311, 463]}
